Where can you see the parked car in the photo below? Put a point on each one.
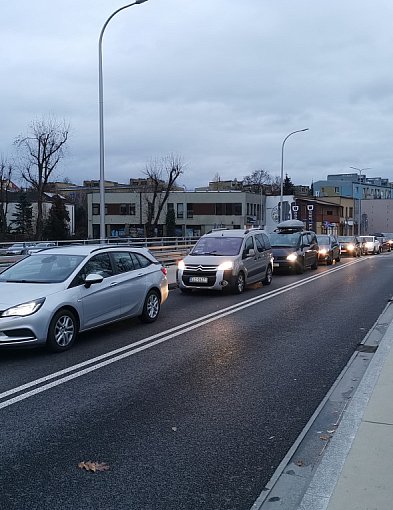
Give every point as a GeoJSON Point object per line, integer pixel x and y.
{"type": "Point", "coordinates": [350, 245]}
{"type": "Point", "coordinates": [40, 246]}
{"type": "Point", "coordinates": [227, 258]}
{"type": "Point", "coordinates": [19, 248]}
{"type": "Point", "coordinates": [294, 247]}
{"type": "Point", "coordinates": [370, 245]}
{"type": "Point", "coordinates": [329, 249]}
{"type": "Point", "coordinates": [50, 296]}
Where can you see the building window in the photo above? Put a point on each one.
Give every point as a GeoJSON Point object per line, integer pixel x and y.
{"type": "Point", "coordinates": [350, 212]}
{"type": "Point", "coordinates": [180, 211]}
{"type": "Point", "coordinates": [337, 190]}
{"type": "Point", "coordinates": [329, 213]}
{"type": "Point", "coordinates": [96, 209]}
{"type": "Point", "coordinates": [190, 210]}
{"type": "Point", "coordinates": [170, 206]}
{"type": "Point", "coordinates": [220, 209]}
{"type": "Point", "coordinates": [132, 209]}
{"type": "Point", "coordinates": [123, 209]}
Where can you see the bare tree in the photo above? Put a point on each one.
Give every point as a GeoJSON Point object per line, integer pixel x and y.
{"type": "Point", "coordinates": [257, 180]}
{"type": "Point", "coordinates": [41, 152]}
{"type": "Point", "coordinates": [5, 185]}
{"type": "Point", "coordinates": [161, 179]}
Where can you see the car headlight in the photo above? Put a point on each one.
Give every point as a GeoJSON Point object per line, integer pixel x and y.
{"type": "Point", "coordinates": [350, 247]}
{"type": "Point", "coordinates": [23, 309]}
{"type": "Point", "coordinates": [181, 265]}
{"type": "Point", "coordinates": [292, 257]}
{"type": "Point", "coordinates": [323, 251]}
{"type": "Point", "coordinates": [228, 264]}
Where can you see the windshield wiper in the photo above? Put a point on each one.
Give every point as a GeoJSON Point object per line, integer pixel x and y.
{"type": "Point", "coordinates": [25, 281]}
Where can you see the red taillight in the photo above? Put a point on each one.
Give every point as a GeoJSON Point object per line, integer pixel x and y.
{"type": "Point", "coordinates": [164, 270]}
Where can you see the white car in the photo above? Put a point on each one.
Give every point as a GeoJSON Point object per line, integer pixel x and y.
{"type": "Point", "coordinates": [40, 246]}
{"type": "Point", "coordinates": [370, 244]}
{"type": "Point", "coordinates": [50, 296]}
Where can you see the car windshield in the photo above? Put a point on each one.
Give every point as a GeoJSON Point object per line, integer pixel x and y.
{"type": "Point", "coordinates": [217, 246]}
{"type": "Point", "coordinates": [367, 239]}
{"type": "Point", "coordinates": [345, 239]}
{"type": "Point", "coordinates": [42, 268]}
{"type": "Point", "coordinates": [323, 240]}
{"type": "Point", "coordinates": [282, 240]}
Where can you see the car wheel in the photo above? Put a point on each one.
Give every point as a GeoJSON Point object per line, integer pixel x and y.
{"type": "Point", "coordinates": [316, 262]}
{"type": "Point", "coordinates": [151, 307]}
{"type": "Point", "coordinates": [62, 331]}
{"type": "Point", "coordinates": [338, 258]}
{"type": "Point", "coordinates": [329, 261]}
{"type": "Point", "coordinates": [300, 266]}
{"type": "Point", "coordinates": [268, 276]}
{"type": "Point", "coordinates": [239, 284]}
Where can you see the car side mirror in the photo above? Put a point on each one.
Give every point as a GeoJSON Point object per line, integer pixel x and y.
{"type": "Point", "coordinates": [92, 278]}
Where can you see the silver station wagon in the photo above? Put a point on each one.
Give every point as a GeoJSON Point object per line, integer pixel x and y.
{"type": "Point", "coordinates": [50, 296]}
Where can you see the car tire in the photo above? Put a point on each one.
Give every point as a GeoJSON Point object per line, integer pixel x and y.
{"type": "Point", "coordinates": [239, 283]}
{"type": "Point", "coordinates": [62, 331]}
{"type": "Point", "coordinates": [151, 307]}
{"type": "Point", "coordinates": [338, 258]}
{"type": "Point", "coordinates": [329, 261]}
{"type": "Point", "coordinates": [316, 262]}
{"type": "Point", "coordinates": [268, 276]}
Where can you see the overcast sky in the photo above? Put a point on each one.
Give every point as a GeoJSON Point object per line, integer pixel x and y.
{"type": "Point", "coordinates": [219, 82]}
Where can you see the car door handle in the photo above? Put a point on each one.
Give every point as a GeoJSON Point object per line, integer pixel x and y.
{"type": "Point", "coordinates": [139, 275]}
{"type": "Point", "coordinates": [113, 284]}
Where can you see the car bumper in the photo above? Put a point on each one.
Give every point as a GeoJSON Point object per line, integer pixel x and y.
{"type": "Point", "coordinates": [216, 280]}
{"type": "Point", "coordinates": [23, 331]}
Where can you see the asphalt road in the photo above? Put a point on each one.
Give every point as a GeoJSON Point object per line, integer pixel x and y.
{"type": "Point", "coordinates": [195, 411]}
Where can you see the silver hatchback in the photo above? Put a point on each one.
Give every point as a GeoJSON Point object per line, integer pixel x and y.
{"type": "Point", "coordinates": [50, 296]}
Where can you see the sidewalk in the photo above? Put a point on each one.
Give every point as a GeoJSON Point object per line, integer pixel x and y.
{"type": "Point", "coordinates": [356, 470]}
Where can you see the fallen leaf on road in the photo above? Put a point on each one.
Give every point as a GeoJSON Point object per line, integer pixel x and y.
{"type": "Point", "coordinates": [299, 463]}
{"type": "Point", "coordinates": [325, 437]}
{"type": "Point", "coordinates": [174, 429]}
{"type": "Point", "coordinates": [93, 466]}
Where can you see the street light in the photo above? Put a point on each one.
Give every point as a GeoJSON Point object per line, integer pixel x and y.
{"type": "Point", "coordinates": [360, 170]}
{"type": "Point", "coordinates": [282, 168]}
{"type": "Point", "coordinates": [101, 119]}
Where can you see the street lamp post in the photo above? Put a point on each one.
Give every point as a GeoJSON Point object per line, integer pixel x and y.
{"type": "Point", "coordinates": [282, 168]}
{"type": "Point", "coordinates": [101, 119]}
{"type": "Point", "coordinates": [360, 170]}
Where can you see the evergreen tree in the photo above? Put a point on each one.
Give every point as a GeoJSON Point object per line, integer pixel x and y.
{"type": "Point", "coordinates": [312, 189]}
{"type": "Point", "coordinates": [23, 222]}
{"type": "Point", "coordinates": [288, 186]}
{"type": "Point", "coordinates": [56, 226]}
{"type": "Point", "coordinates": [170, 223]}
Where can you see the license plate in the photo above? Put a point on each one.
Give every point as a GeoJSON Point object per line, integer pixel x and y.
{"type": "Point", "coordinates": [198, 279]}
{"type": "Point", "coordinates": [276, 264]}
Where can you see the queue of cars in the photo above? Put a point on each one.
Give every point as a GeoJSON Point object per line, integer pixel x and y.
{"type": "Point", "coordinates": [55, 292]}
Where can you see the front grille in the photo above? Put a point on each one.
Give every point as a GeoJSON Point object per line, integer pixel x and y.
{"type": "Point", "coordinates": [208, 272]}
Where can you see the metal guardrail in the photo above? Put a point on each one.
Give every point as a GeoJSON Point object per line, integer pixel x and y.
{"type": "Point", "coordinates": [168, 250]}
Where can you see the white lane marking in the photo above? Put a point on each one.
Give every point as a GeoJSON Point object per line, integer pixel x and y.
{"type": "Point", "coordinates": [150, 342]}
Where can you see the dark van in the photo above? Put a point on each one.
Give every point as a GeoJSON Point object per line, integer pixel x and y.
{"type": "Point", "coordinates": [294, 247]}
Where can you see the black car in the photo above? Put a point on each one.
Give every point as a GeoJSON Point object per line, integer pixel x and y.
{"type": "Point", "coordinates": [350, 245]}
{"type": "Point", "coordinates": [294, 247]}
{"type": "Point", "coordinates": [329, 249]}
